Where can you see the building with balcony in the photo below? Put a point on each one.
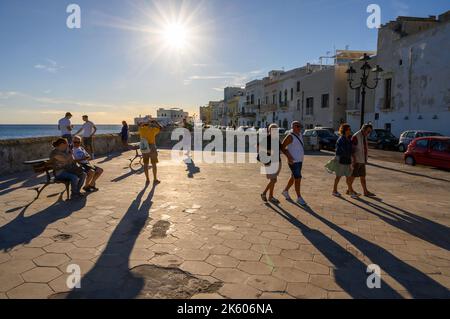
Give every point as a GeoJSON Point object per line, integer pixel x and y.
{"type": "Point", "coordinates": [414, 91]}
{"type": "Point", "coordinates": [174, 114]}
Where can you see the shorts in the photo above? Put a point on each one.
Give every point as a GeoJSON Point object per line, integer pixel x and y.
{"type": "Point", "coordinates": [296, 169]}
{"type": "Point", "coordinates": [87, 141]}
{"type": "Point", "coordinates": [274, 176]}
{"type": "Point", "coordinates": [152, 155]}
{"type": "Point", "coordinates": [359, 170]}
{"type": "Point", "coordinates": [89, 167]}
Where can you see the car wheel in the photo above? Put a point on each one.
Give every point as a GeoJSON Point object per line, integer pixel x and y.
{"type": "Point", "coordinates": [401, 148]}
{"type": "Point", "coordinates": [409, 160]}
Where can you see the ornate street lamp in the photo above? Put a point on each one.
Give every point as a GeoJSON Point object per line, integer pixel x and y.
{"type": "Point", "coordinates": [364, 84]}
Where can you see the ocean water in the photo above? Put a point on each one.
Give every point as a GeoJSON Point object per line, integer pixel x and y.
{"type": "Point", "coordinates": [23, 131]}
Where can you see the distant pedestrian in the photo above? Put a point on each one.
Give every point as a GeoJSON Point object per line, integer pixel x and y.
{"type": "Point", "coordinates": [343, 159]}
{"type": "Point", "coordinates": [66, 127]}
{"type": "Point", "coordinates": [293, 148]}
{"type": "Point", "coordinates": [89, 129]}
{"type": "Point", "coordinates": [187, 141]}
{"type": "Point", "coordinates": [124, 134]}
{"type": "Point", "coordinates": [360, 156]}
{"type": "Point", "coordinates": [271, 176]}
{"type": "Point", "coordinates": [148, 131]}
{"type": "Point", "coordinates": [82, 157]}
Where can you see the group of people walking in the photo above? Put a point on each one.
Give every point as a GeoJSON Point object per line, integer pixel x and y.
{"type": "Point", "coordinates": [349, 161]}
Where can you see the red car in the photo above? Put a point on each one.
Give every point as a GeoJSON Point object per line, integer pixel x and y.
{"type": "Point", "coordinates": [431, 151]}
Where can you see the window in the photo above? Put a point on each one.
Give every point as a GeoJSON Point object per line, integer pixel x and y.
{"type": "Point", "coordinates": [274, 99]}
{"type": "Point", "coordinates": [285, 95]}
{"type": "Point", "coordinates": [411, 134]}
{"type": "Point", "coordinates": [325, 100]}
{"type": "Point", "coordinates": [267, 100]}
{"type": "Point", "coordinates": [310, 106]}
{"type": "Point", "coordinates": [298, 104]}
{"type": "Point", "coordinates": [259, 102]}
{"type": "Point", "coordinates": [279, 97]}
{"type": "Point", "coordinates": [388, 127]}
{"type": "Point", "coordinates": [298, 86]}
{"type": "Point", "coordinates": [252, 99]}
{"type": "Point", "coordinates": [292, 94]}
{"type": "Point", "coordinates": [387, 93]}
{"type": "Point", "coordinates": [422, 144]}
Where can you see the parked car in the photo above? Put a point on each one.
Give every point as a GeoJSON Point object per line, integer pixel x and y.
{"type": "Point", "coordinates": [330, 129]}
{"type": "Point", "coordinates": [326, 139]}
{"type": "Point", "coordinates": [408, 136]}
{"type": "Point", "coordinates": [382, 139]}
{"type": "Point", "coordinates": [432, 151]}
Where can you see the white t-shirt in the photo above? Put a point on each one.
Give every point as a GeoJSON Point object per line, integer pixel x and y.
{"type": "Point", "coordinates": [79, 153]}
{"type": "Point", "coordinates": [296, 148]}
{"type": "Point", "coordinates": [63, 124]}
{"type": "Point", "coordinates": [88, 128]}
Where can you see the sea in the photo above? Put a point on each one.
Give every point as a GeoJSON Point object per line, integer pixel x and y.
{"type": "Point", "coordinates": [14, 131]}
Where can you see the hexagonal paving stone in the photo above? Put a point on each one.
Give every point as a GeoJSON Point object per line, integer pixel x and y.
{"type": "Point", "coordinates": [273, 235]}
{"type": "Point", "coordinates": [245, 254]}
{"type": "Point", "coordinates": [305, 290]}
{"type": "Point", "coordinates": [193, 254]}
{"type": "Point", "coordinates": [16, 266]}
{"type": "Point", "coordinates": [85, 266]}
{"type": "Point", "coordinates": [290, 274]}
{"type": "Point", "coordinates": [41, 274]}
{"type": "Point", "coordinates": [189, 244]}
{"type": "Point", "coordinates": [255, 268]}
{"type": "Point", "coordinates": [239, 291]}
{"type": "Point", "coordinates": [311, 267]}
{"type": "Point", "coordinates": [277, 261]}
{"type": "Point", "coordinates": [167, 260]}
{"type": "Point", "coordinates": [275, 295]}
{"type": "Point", "coordinates": [4, 257]}
{"type": "Point", "coordinates": [51, 259]}
{"type": "Point", "coordinates": [83, 253]}
{"type": "Point", "coordinates": [297, 255]}
{"type": "Point", "coordinates": [141, 254]}
{"type": "Point", "coordinates": [59, 247]}
{"type": "Point", "coordinates": [60, 284]}
{"type": "Point", "coordinates": [266, 283]}
{"type": "Point", "coordinates": [266, 249]}
{"type": "Point", "coordinates": [39, 242]}
{"type": "Point", "coordinates": [237, 244]}
{"type": "Point", "coordinates": [9, 281]}
{"type": "Point", "coordinates": [26, 253]}
{"type": "Point", "coordinates": [222, 261]}
{"type": "Point", "coordinates": [284, 244]}
{"type": "Point", "coordinates": [91, 242]}
{"type": "Point", "coordinates": [30, 291]}
{"type": "Point", "coordinates": [197, 267]}
{"type": "Point", "coordinates": [326, 282]}
{"type": "Point", "coordinates": [215, 249]}
{"type": "Point", "coordinates": [230, 275]}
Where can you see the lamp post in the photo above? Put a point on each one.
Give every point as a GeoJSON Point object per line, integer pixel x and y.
{"type": "Point", "coordinates": [364, 84]}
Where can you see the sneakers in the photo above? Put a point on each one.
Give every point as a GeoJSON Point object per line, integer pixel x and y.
{"type": "Point", "coordinates": [336, 194]}
{"type": "Point", "coordinates": [273, 200]}
{"type": "Point", "coordinates": [286, 195]}
{"type": "Point", "coordinates": [301, 201]}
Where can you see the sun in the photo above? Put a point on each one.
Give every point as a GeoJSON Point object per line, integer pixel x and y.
{"type": "Point", "coordinates": [175, 36]}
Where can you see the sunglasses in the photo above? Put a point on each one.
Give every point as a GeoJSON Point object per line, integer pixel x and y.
{"type": "Point", "coordinates": [76, 142]}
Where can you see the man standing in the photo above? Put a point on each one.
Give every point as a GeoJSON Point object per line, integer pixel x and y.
{"type": "Point", "coordinates": [66, 127]}
{"type": "Point", "coordinates": [148, 131]}
{"type": "Point", "coordinates": [293, 148]}
{"type": "Point", "coordinates": [359, 159]}
{"type": "Point", "coordinates": [89, 129]}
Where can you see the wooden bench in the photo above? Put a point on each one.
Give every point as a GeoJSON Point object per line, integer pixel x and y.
{"type": "Point", "coordinates": [44, 166]}
{"type": "Point", "coordinates": [135, 147]}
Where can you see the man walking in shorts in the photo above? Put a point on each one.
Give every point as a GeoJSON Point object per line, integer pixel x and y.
{"type": "Point", "coordinates": [148, 131]}
{"type": "Point", "coordinates": [293, 148]}
{"type": "Point", "coordinates": [359, 158]}
{"type": "Point", "coordinates": [66, 127]}
{"type": "Point", "coordinates": [89, 129]}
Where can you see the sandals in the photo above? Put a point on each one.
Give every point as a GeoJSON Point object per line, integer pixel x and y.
{"type": "Point", "coordinates": [336, 194]}
{"type": "Point", "coordinates": [369, 194]}
{"type": "Point", "coordinates": [264, 198]}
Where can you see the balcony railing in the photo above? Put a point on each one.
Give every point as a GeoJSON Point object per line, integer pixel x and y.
{"type": "Point", "coordinates": [284, 105]}
{"type": "Point", "coordinates": [268, 108]}
{"type": "Point", "coordinates": [247, 114]}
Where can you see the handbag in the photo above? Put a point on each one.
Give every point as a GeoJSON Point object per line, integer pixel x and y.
{"type": "Point", "coordinates": [144, 146]}
{"type": "Point", "coordinates": [331, 165]}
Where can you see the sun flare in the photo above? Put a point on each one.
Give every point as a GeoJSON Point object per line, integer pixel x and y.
{"type": "Point", "coordinates": [175, 36]}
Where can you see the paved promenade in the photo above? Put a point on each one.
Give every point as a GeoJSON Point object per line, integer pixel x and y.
{"type": "Point", "coordinates": [204, 233]}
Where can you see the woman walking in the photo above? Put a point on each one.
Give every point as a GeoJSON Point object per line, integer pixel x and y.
{"type": "Point", "coordinates": [344, 160]}
{"type": "Point", "coordinates": [124, 134]}
{"type": "Point", "coordinates": [271, 176]}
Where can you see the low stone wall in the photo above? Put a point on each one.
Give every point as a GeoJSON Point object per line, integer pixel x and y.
{"type": "Point", "coordinates": [14, 152]}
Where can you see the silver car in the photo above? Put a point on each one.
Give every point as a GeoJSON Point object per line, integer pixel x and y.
{"type": "Point", "coordinates": [408, 136]}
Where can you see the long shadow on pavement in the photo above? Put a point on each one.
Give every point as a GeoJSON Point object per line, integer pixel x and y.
{"type": "Point", "coordinates": [409, 173]}
{"type": "Point", "coordinates": [350, 273]}
{"type": "Point", "coordinates": [110, 277]}
{"type": "Point", "coordinates": [418, 284]}
{"type": "Point", "coordinates": [410, 223]}
{"type": "Point", "coordinates": [22, 229]}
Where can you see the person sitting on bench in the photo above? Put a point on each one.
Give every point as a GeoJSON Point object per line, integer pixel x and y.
{"type": "Point", "coordinates": [66, 168]}
{"type": "Point", "coordinates": [82, 157]}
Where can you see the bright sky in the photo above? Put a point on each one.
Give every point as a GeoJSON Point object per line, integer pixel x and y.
{"type": "Point", "coordinates": [131, 57]}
